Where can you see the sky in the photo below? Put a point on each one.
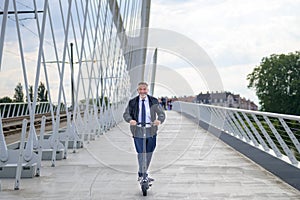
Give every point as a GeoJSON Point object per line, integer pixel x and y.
{"type": "Point", "coordinates": [235, 34]}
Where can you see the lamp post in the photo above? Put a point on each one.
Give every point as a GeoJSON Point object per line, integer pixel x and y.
{"type": "Point", "coordinates": [72, 76]}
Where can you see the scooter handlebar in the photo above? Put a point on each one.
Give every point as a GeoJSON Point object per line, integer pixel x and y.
{"type": "Point", "coordinates": [144, 124]}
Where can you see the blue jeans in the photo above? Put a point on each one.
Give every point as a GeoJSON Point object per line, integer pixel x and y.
{"type": "Point", "coordinates": [144, 147]}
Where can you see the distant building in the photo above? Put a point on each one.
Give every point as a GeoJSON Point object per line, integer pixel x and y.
{"type": "Point", "coordinates": [225, 99]}
{"type": "Point", "coordinates": [185, 99]}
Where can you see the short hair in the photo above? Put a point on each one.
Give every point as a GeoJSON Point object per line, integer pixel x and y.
{"type": "Point", "coordinates": [143, 83]}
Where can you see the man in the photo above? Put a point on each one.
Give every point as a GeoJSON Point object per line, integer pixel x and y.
{"type": "Point", "coordinates": [144, 110]}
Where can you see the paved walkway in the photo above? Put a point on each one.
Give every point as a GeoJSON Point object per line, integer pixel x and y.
{"type": "Point", "coordinates": [189, 163]}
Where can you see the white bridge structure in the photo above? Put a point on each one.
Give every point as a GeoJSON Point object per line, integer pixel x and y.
{"type": "Point", "coordinates": [91, 55]}
{"type": "Point", "coordinates": [83, 52]}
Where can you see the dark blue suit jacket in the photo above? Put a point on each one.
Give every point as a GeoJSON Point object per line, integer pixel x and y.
{"type": "Point", "coordinates": [132, 112]}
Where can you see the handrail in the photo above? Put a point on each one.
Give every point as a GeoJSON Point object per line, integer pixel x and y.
{"type": "Point", "coordinates": [270, 114]}
{"type": "Point", "coordinates": [18, 109]}
{"type": "Point", "coordinates": [277, 134]}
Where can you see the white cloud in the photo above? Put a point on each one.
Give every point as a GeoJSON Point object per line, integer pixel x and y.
{"type": "Point", "coordinates": [236, 34]}
{"type": "Point", "coordinates": [234, 79]}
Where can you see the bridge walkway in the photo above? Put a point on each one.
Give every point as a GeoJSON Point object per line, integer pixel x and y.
{"type": "Point", "coordinates": [189, 163]}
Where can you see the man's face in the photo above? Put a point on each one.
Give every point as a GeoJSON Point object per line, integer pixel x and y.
{"type": "Point", "coordinates": [143, 90]}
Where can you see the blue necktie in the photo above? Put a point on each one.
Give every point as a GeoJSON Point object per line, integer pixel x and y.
{"type": "Point", "coordinates": [143, 113]}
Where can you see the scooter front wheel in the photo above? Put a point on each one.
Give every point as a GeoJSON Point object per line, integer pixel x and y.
{"type": "Point", "coordinates": [144, 189]}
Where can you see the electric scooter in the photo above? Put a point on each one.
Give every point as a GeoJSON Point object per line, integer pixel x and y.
{"type": "Point", "coordinates": [144, 182]}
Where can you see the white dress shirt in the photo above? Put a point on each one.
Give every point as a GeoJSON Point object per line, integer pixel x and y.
{"type": "Point", "coordinates": [148, 114]}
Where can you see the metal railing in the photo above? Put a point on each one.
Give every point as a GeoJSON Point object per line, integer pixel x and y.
{"type": "Point", "coordinates": [277, 134]}
{"type": "Point", "coordinates": [12, 110]}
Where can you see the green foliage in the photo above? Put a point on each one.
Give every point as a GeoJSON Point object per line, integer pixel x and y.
{"type": "Point", "coordinates": [99, 103]}
{"type": "Point", "coordinates": [6, 99]}
{"type": "Point", "coordinates": [42, 93]}
{"type": "Point", "coordinates": [30, 90]}
{"type": "Point", "coordinates": [19, 94]}
{"type": "Point", "coordinates": [277, 84]}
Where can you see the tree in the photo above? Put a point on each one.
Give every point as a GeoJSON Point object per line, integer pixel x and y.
{"type": "Point", "coordinates": [6, 99]}
{"type": "Point", "coordinates": [19, 95]}
{"type": "Point", "coordinates": [277, 84]}
{"type": "Point", "coordinates": [30, 90]}
{"type": "Point", "coordinates": [42, 93]}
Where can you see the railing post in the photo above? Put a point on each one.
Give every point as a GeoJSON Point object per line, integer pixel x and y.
{"type": "Point", "coordinates": [266, 135]}
{"type": "Point", "coordinates": [18, 111]}
{"type": "Point", "coordinates": [8, 112]}
{"type": "Point", "coordinates": [261, 141]}
{"type": "Point", "coordinates": [228, 126]}
{"type": "Point", "coordinates": [247, 129]}
{"type": "Point", "coordinates": [281, 142]}
{"type": "Point", "coordinates": [239, 128]}
{"type": "Point", "coordinates": [3, 146]}
{"type": "Point", "coordinates": [21, 157]}
{"type": "Point", "coordinates": [27, 110]}
{"type": "Point", "coordinates": [40, 148]}
{"type": "Point", "coordinates": [14, 109]}
{"type": "Point", "coordinates": [68, 133]}
{"type": "Point", "coordinates": [290, 133]}
{"type": "Point", "coordinates": [23, 110]}
{"type": "Point", "coordinates": [236, 132]}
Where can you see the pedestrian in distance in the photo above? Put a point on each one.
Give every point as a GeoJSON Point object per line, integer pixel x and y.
{"type": "Point", "coordinates": [164, 102]}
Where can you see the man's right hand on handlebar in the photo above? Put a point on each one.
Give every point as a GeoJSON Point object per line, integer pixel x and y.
{"type": "Point", "coordinates": [132, 122]}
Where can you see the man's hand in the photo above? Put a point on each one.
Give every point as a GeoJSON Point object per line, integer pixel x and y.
{"type": "Point", "coordinates": [132, 122]}
{"type": "Point", "coordinates": [156, 122]}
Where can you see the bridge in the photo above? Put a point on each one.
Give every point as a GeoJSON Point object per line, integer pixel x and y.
{"type": "Point", "coordinates": [76, 144]}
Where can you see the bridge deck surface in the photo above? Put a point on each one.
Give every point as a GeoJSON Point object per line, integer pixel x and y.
{"type": "Point", "coordinates": [189, 163]}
